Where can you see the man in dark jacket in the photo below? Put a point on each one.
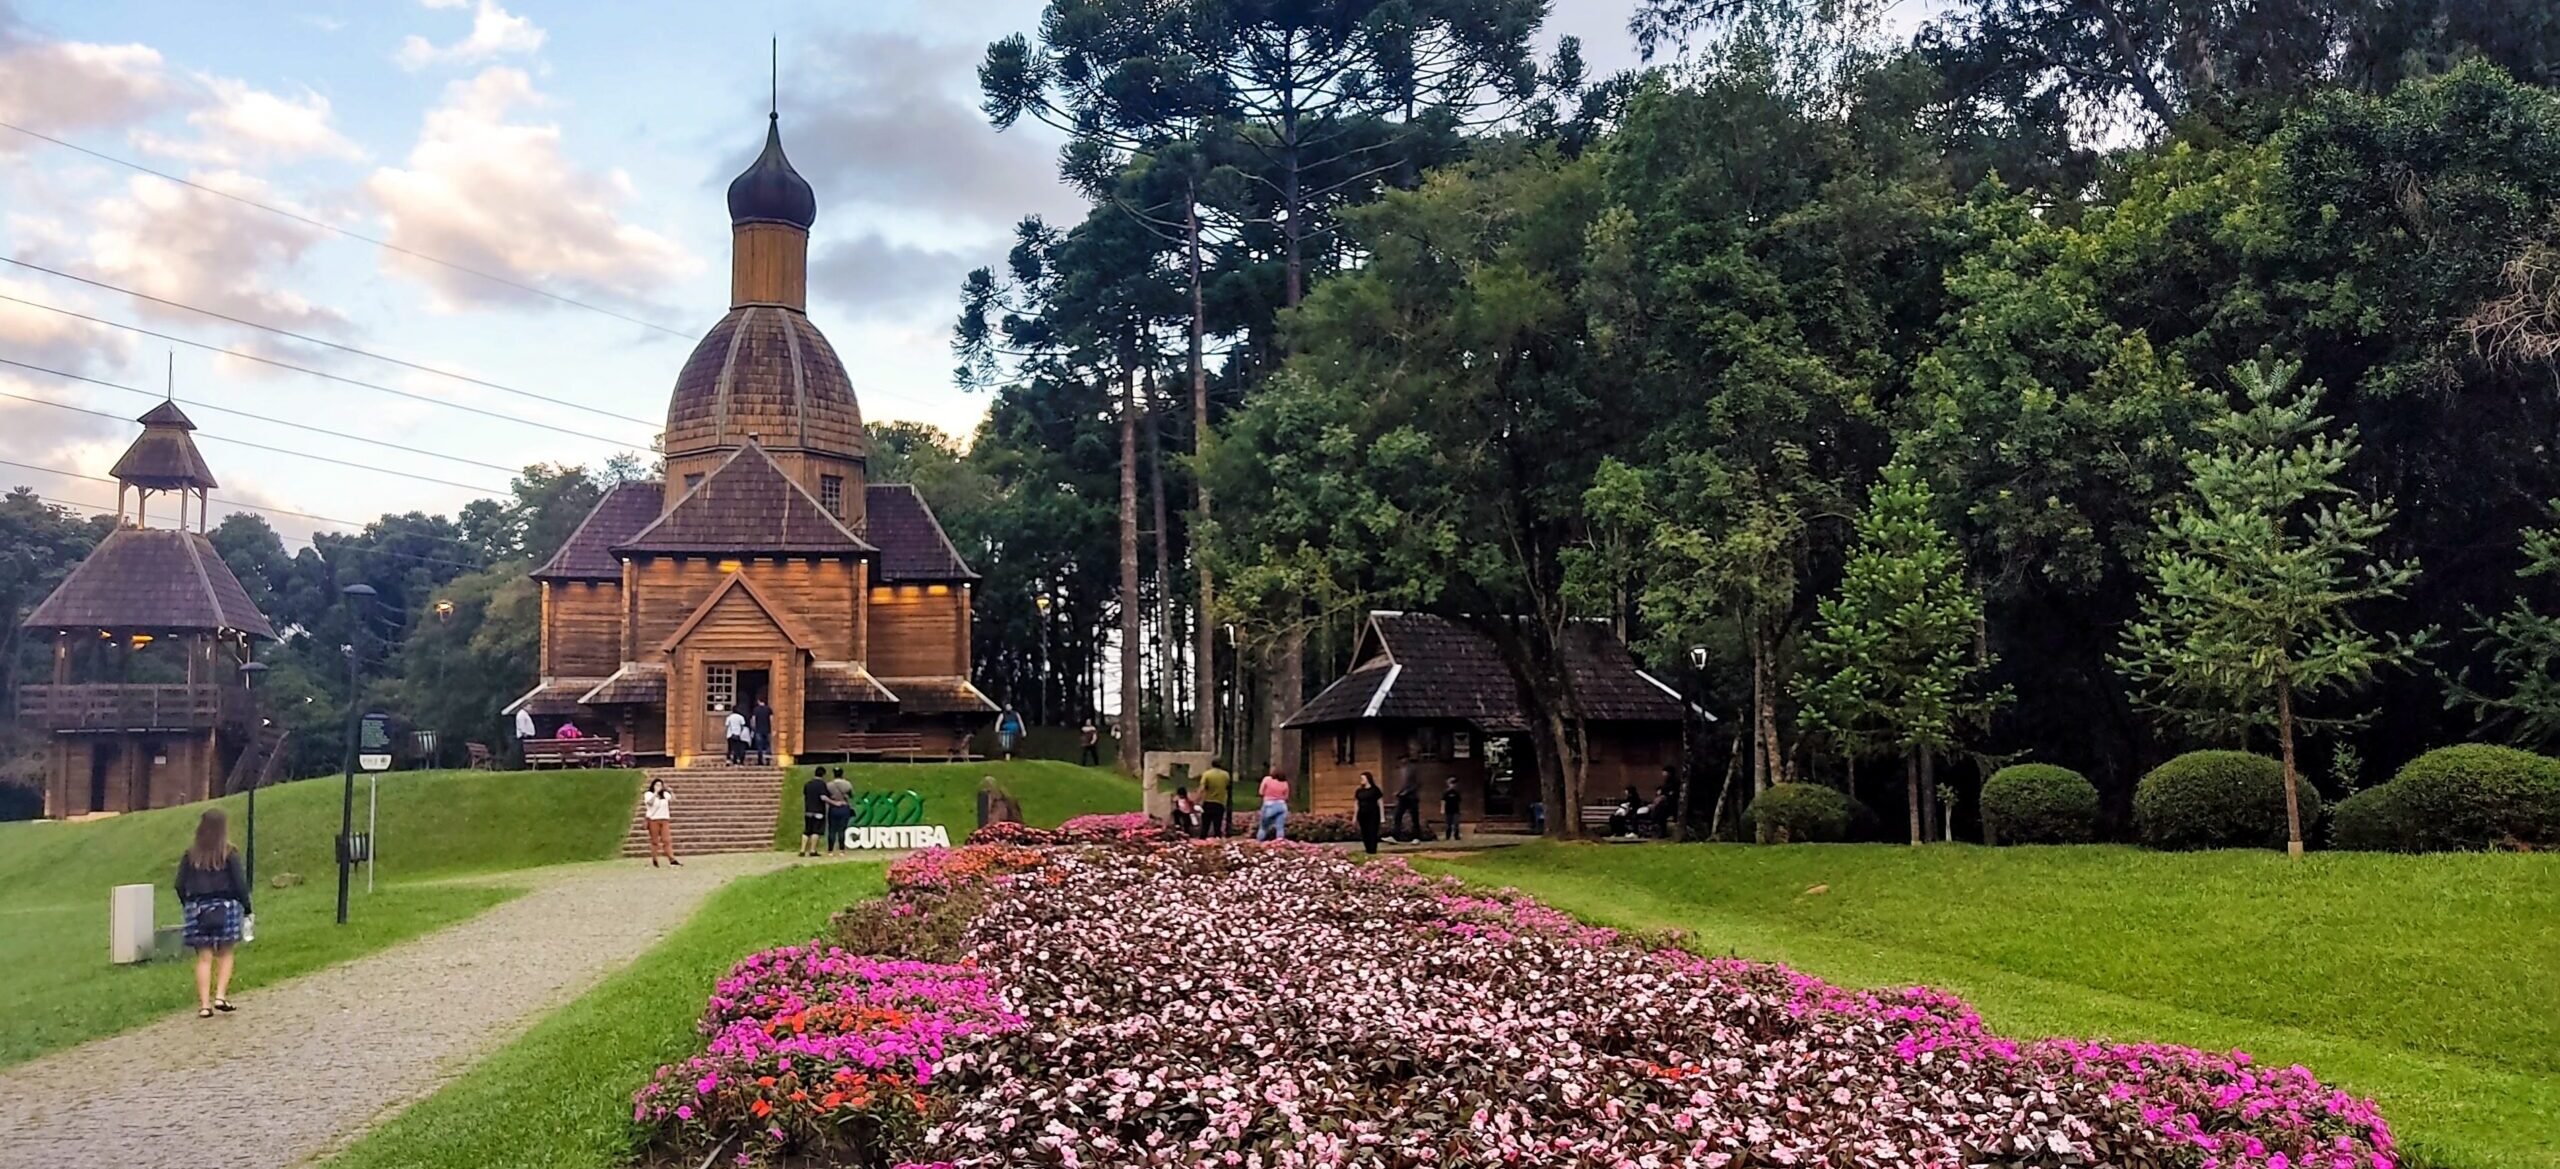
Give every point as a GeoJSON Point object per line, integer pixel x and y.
{"type": "Point", "coordinates": [1408, 805]}
{"type": "Point", "coordinates": [1449, 806]}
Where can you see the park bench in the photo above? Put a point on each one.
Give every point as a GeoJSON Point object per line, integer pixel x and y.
{"type": "Point", "coordinates": [540, 753]}
{"type": "Point", "coordinates": [881, 744]}
{"type": "Point", "coordinates": [482, 759]}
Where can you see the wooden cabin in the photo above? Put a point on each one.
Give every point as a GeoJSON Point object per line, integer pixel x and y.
{"type": "Point", "coordinates": [1434, 694]}
{"type": "Point", "coordinates": [146, 706]}
{"type": "Point", "coordinates": [763, 566]}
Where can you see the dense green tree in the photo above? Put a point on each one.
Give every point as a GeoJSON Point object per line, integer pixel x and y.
{"type": "Point", "coordinates": [1892, 660]}
{"type": "Point", "coordinates": [2252, 591]}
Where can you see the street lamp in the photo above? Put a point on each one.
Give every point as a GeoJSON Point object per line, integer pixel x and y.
{"type": "Point", "coordinates": [356, 594]}
{"type": "Point", "coordinates": [249, 672]}
{"type": "Point", "coordinates": [1040, 601]}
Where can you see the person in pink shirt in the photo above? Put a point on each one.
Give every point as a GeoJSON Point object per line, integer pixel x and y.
{"type": "Point", "coordinates": [1275, 808]}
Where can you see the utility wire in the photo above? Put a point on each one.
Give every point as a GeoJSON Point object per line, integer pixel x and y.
{"type": "Point", "coordinates": [258, 417]}
{"type": "Point", "coordinates": [256, 507]}
{"type": "Point", "coordinates": [281, 538]}
{"type": "Point", "coordinates": [308, 339]}
{"type": "Point", "coordinates": [258, 445]}
{"type": "Point", "coordinates": [323, 225]}
{"type": "Point", "coordinates": [286, 365]}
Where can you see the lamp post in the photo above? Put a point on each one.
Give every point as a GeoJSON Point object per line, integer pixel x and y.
{"type": "Point", "coordinates": [1040, 601]}
{"type": "Point", "coordinates": [249, 672]}
{"type": "Point", "coordinates": [356, 594]}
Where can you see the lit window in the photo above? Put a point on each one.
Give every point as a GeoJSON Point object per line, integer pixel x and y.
{"type": "Point", "coordinates": [831, 493]}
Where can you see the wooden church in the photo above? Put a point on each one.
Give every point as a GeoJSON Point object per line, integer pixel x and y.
{"type": "Point", "coordinates": [763, 567]}
{"type": "Point", "coordinates": [147, 705]}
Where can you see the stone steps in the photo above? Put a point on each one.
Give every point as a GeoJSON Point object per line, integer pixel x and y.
{"type": "Point", "coordinates": [717, 809]}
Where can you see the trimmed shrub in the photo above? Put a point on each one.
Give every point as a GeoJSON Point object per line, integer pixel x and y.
{"type": "Point", "coordinates": [1323, 827]}
{"type": "Point", "coordinates": [2039, 803]}
{"type": "Point", "coordinates": [1798, 813]}
{"type": "Point", "coordinates": [2217, 799]}
{"type": "Point", "coordinates": [2456, 799]}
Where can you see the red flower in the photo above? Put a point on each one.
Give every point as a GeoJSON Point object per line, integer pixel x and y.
{"type": "Point", "coordinates": [763, 1108]}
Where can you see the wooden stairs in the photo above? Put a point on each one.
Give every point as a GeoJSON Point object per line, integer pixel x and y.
{"type": "Point", "coordinates": [717, 809]}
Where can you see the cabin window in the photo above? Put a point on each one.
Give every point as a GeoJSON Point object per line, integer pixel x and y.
{"type": "Point", "coordinates": [1425, 743]}
{"type": "Point", "coordinates": [1462, 744]}
{"type": "Point", "coordinates": [1345, 747]}
{"type": "Point", "coordinates": [831, 493]}
{"type": "Point", "coordinates": [720, 687]}
{"type": "Point", "coordinates": [693, 480]}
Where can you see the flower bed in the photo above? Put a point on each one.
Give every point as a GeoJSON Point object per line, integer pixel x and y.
{"type": "Point", "coordinates": [1371, 1016]}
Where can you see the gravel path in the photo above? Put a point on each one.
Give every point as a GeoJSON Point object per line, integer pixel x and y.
{"type": "Point", "coordinates": [309, 1064]}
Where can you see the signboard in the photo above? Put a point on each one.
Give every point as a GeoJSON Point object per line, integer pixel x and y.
{"type": "Point", "coordinates": [373, 743]}
{"type": "Point", "coordinates": [886, 820]}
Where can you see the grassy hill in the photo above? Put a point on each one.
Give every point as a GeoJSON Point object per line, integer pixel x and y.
{"type": "Point", "coordinates": [1050, 791]}
{"type": "Point", "coordinates": [2427, 982]}
{"type": "Point", "coordinates": [59, 989]}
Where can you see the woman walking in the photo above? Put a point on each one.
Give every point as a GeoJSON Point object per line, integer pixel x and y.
{"type": "Point", "coordinates": [658, 812]}
{"type": "Point", "coordinates": [214, 896]}
{"type": "Point", "coordinates": [1372, 799]}
{"type": "Point", "coordinates": [1275, 809]}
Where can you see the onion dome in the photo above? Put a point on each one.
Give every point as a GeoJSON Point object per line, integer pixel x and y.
{"type": "Point", "coordinates": [764, 373]}
{"type": "Point", "coordinates": [769, 191]}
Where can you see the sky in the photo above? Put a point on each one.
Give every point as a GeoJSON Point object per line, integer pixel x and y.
{"type": "Point", "coordinates": [581, 149]}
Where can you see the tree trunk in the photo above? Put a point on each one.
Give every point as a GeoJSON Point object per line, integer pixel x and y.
{"type": "Point", "coordinates": [1930, 814]}
{"type": "Point", "coordinates": [1732, 766]}
{"type": "Point", "coordinates": [1759, 744]}
{"type": "Point", "coordinates": [1288, 691]}
{"type": "Point", "coordinates": [1564, 800]}
{"type": "Point", "coordinates": [1132, 700]}
{"type": "Point", "coordinates": [1204, 671]}
{"type": "Point", "coordinates": [1167, 655]}
{"type": "Point", "coordinates": [1771, 767]}
{"type": "Point", "coordinates": [1911, 776]}
{"type": "Point", "coordinates": [2292, 777]}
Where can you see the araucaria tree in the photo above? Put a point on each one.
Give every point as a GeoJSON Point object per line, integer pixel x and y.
{"type": "Point", "coordinates": [2251, 593]}
{"type": "Point", "coordinates": [1892, 659]}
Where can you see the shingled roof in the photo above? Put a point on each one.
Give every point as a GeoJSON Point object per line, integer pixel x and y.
{"type": "Point", "coordinates": [1417, 666]}
{"type": "Point", "coordinates": [163, 457]}
{"type": "Point", "coordinates": [588, 553]}
{"type": "Point", "coordinates": [911, 542]}
{"type": "Point", "coordinates": [938, 695]}
{"type": "Point", "coordinates": [151, 579]}
{"type": "Point", "coordinates": [747, 505]}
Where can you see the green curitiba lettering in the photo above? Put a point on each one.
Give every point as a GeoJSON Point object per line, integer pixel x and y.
{"type": "Point", "coordinates": [888, 809]}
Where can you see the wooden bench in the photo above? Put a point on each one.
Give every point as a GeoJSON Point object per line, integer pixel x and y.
{"type": "Point", "coordinates": [482, 759]}
{"type": "Point", "coordinates": [881, 744]}
{"type": "Point", "coordinates": [539, 753]}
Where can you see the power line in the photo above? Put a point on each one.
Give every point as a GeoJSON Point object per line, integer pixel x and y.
{"type": "Point", "coordinates": [256, 507]}
{"type": "Point", "coordinates": [340, 378]}
{"type": "Point", "coordinates": [259, 417]}
{"type": "Point", "coordinates": [257, 446]}
{"type": "Point", "coordinates": [323, 225]}
{"type": "Point", "coordinates": [308, 339]}
{"type": "Point", "coordinates": [305, 541]}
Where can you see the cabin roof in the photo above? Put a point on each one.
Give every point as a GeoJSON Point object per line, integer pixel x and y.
{"type": "Point", "coordinates": [151, 578]}
{"type": "Point", "coordinates": [1423, 667]}
{"type": "Point", "coordinates": [911, 541]}
{"type": "Point", "coordinates": [940, 694]}
{"type": "Point", "coordinates": [588, 552]}
{"type": "Point", "coordinates": [164, 455]}
{"type": "Point", "coordinates": [747, 505]}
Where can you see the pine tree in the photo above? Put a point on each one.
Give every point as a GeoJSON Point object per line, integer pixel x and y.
{"type": "Point", "coordinates": [1891, 661]}
{"type": "Point", "coordinates": [2248, 606]}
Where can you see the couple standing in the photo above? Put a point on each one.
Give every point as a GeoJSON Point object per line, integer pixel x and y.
{"type": "Point", "coordinates": [826, 810]}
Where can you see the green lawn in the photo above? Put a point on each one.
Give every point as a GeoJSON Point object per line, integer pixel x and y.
{"type": "Point", "coordinates": [2431, 983]}
{"type": "Point", "coordinates": [57, 987]}
{"type": "Point", "coordinates": [1050, 791]}
{"type": "Point", "coordinates": [560, 1095]}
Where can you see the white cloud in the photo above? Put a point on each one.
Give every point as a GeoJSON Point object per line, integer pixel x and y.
{"type": "Point", "coordinates": [237, 122]}
{"type": "Point", "coordinates": [53, 340]}
{"type": "Point", "coordinates": [194, 248]}
{"type": "Point", "coordinates": [494, 32]}
{"type": "Point", "coordinates": [501, 196]}
{"type": "Point", "coordinates": [64, 87]}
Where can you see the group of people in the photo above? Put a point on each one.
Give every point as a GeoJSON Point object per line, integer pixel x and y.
{"type": "Point", "coordinates": [826, 810]}
{"type": "Point", "coordinates": [749, 733]}
{"type": "Point", "coordinates": [1368, 801]}
{"type": "Point", "coordinates": [1211, 815]}
{"type": "Point", "coordinates": [1634, 815]}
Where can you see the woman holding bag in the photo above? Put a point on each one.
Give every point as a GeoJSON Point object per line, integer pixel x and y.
{"type": "Point", "coordinates": [214, 897]}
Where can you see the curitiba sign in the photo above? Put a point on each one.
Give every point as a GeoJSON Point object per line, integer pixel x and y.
{"type": "Point", "coordinates": [892, 820]}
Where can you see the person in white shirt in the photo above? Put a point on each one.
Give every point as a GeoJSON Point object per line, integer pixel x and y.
{"type": "Point", "coordinates": [657, 812]}
{"type": "Point", "coordinates": [525, 731]}
{"type": "Point", "coordinates": [739, 737]}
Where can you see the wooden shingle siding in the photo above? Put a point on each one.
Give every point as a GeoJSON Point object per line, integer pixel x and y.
{"type": "Point", "coordinates": [584, 633]}
{"type": "Point", "coordinates": [821, 594]}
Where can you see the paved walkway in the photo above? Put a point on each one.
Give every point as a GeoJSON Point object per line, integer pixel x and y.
{"type": "Point", "coordinates": [309, 1064]}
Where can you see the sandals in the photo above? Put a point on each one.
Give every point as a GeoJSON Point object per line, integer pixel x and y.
{"type": "Point", "coordinates": [224, 1006]}
{"type": "Point", "coordinates": [204, 1012]}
